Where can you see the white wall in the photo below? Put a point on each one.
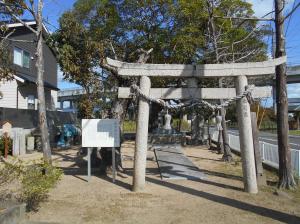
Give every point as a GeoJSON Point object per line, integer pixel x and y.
{"type": "Point", "coordinates": [9, 92]}
{"type": "Point", "coordinates": [54, 101]}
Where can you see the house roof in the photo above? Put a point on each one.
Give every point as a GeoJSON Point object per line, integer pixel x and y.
{"type": "Point", "coordinates": [28, 22]}
{"type": "Point", "coordinates": [46, 32]}
{"type": "Point", "coordinates": [27, 78]}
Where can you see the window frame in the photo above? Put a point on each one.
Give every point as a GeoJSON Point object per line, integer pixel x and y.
{"type": "Point", "coordinates": [31, 98]}
{"type": "Point", "coordinates": [23, 52]}
{"type": "Point", "coordinates": [19, 50]}
{"type": "Point", "coordinates": [23, 55]}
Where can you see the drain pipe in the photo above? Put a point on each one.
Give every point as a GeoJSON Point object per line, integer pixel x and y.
{"type": "Point", "coordinates": [17, 97]}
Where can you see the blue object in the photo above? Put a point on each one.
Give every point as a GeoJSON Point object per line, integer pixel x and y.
{"type": "Point", "coordinates": [66, 134]}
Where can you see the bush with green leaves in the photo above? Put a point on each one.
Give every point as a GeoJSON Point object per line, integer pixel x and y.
{"type": "Point", "coordinates": [34, 180]}
{"type": "Point", "coordinates": [37, 180]}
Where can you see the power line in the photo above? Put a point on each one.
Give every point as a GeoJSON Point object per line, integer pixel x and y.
{"type": "Point", "coordinates": [290, 18]}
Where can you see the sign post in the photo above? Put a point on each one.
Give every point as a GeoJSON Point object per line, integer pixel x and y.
{"type": "Point", "coordinates": [101, 133]}
{"type": "Point", "coordinates": [89, 162]}
{"type": "Point", "coordinates": [113, 151]}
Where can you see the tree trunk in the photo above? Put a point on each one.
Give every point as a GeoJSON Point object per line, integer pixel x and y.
{"type": "Point", "coordinates": [40, 87]}
{"type": "Point", "coordinates": [286, 179]}
{"type": "Point", "coordinates": [119, 111]}
{"type": "Point", "coordinates": [227, 156]}
{"type": "Point", "coordinates": [192, 83]}
{"type": "Point", "coordinates": [261, 178]}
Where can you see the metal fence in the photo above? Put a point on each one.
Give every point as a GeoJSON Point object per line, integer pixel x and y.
{"type": "Point", "coordinates": [269, 152]}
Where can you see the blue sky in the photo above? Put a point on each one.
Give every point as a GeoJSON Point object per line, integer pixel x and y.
{"type": "Point", "coordinates": [53, 9]}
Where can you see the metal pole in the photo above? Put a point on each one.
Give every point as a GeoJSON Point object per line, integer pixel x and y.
{"type": "Point", "coordinates": [89, 164]}
{"type": "Point", "coordinates": [113, 151]}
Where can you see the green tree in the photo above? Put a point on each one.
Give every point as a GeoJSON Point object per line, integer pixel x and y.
{"type": "Point", "coordinates": [177, 31]}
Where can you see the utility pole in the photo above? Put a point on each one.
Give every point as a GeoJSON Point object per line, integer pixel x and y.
{"type": "Point", "coordinates": [286, 179]}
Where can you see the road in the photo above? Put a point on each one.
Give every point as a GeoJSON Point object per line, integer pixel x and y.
{"type": "Point", "coordinates": [272, 138]}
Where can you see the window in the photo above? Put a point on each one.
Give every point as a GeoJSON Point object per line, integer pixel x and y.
{"type": "Point", "coordinates": [31, 102]}
{"type": "Point", "coordinates": [66, 104]}
{"type": "Point", "coordinates": [18, 57]}
{"type": "Point", "coordinates": [26, 59]}
{"type": "Point", "coordinates": [21, 58]}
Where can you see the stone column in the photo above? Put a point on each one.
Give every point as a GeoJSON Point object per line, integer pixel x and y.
{"type": "Point", "coordinates": [140, 155]}
{"type": "Point", "coordinates": [246, 139]}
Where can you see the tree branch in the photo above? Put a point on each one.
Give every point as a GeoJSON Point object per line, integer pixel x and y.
{"type": "Point", "coordinates": [244, 18]}
{"type": "Point", "coordinates": [18, 18]}
{"type": "Point", "coordinates": [292, 11]}
{"type": "Point", "coordinates": [113, 50]}
{"type": "Point", "coordinates": [144, 56]}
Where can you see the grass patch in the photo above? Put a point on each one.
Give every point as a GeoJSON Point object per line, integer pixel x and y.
{"type": "Point", "coordinates": [129, 127]}
{"type": "Point", "coordinates": [294, 132]}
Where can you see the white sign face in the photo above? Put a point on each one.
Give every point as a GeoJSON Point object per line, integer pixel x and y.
{"type": "Point", "coordinates": [100, 133]}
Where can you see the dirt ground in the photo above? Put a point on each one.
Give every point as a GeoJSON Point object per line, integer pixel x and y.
{"type": "Point", "coordinates": [218, 199]}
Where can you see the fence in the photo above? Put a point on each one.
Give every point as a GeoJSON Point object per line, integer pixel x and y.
{"type": "Point", "coordinates": [269, 152]}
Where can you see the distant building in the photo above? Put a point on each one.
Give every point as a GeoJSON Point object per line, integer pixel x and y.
{"type": "Point", "coordinates": [21, 92]}
{"type": "Point", "coordinates": [67, 99]}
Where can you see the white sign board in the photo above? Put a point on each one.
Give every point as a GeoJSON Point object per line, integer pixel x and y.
{"type": "Point", "coordinates": [100, 133]}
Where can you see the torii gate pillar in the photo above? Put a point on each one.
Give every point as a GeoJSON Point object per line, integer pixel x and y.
{"type": "Point", "coordinates": [141, 147]}
{"type": "Point", "coordinates": [246, 138]}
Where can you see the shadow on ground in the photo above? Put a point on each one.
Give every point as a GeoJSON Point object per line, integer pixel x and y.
{"type": "Point", "coordinates": [79, 168]}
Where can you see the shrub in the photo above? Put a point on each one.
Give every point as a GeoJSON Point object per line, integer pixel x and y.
{"type": "Point", "coordinates": [2, 145]}
{"type": "Point", "coordinates": [10, 171]}
{"type": "Point", "coordinates": [35, 180]}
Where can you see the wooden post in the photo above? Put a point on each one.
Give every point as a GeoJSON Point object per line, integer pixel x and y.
{"type": "Point", "coordinates": [140, 155]}
{"type": "Point", "coordinates": [261, 179]}
{"type": "Point", "coordinates": [6, 145]}
{"type": "Point", "coordinates": [246, 139]}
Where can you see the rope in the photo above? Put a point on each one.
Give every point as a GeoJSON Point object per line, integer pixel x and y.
{"type": "Point", "coordinates": [247, 93]}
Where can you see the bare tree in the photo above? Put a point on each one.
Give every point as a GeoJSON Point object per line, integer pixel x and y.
{"type": "Point", "coordinates": [35, 8]}
{"type": "Point", "coordinates": [213, 34]}
{"type": "Point", "coordinates": [286, 179]}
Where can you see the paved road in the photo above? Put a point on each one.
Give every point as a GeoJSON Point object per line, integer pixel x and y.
{"type": "Point", "coordinates": [272, 138]}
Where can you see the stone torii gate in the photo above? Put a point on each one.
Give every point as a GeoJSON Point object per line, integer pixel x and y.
{"type": "Point", "coordinates": [238, 70]}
